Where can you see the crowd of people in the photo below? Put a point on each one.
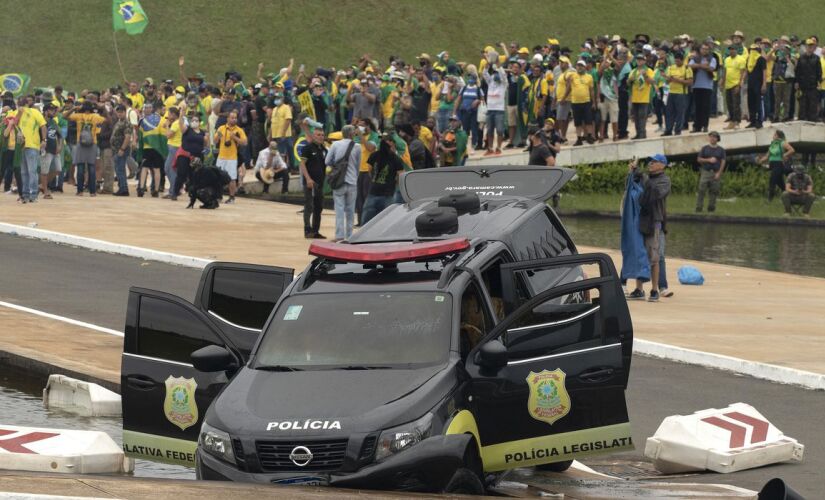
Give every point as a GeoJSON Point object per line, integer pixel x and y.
{"type": "Point", "coordinates": [384, 117]}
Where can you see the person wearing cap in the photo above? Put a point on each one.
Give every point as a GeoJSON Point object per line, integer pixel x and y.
{"type": "Point", "coordinates": [270, 166]}
{"type": "Point", "coordinates": [704, 68]}
{"type": "Point", "coordinates": [679, 77]}
{"type": "Point", "coordinates": [496, 80]}
{"type": "Point", "coordinates": [640, 81]}
{"type": "Point", "coordinates": [583, 101]}
{"type": "Point", "coordinates": [564, 87]}
{"type": "Point", "coordinates": [784, 63]}
{"type": "Point", "coordinates": [757, 82]}
{"type": "Point", "coordinates": [652, 219]}
{"type": "Point", "coordinates": [808, 78]}
{"type": "Point", "coordinates": [540, 153]}
{"type": "Point", "coordinates": [453, 145]}
{"type": "Point", "coordinates": [732, 82]}
{"type": "Point", "coordinates": [799, 190]}
{"type": "Point", "coordinates": [712, 159]}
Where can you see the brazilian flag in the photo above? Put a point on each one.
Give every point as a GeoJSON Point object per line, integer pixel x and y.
{"type": "Point", "coordinates": [16, 83]}
{"type": "Point", "coordinates": [128, 16]}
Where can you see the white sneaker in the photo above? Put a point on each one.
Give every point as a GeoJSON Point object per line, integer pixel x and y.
{"type": "Point", "coordinates": [664, 292]}
{"type": "Point", "coordinates": [8, 192]}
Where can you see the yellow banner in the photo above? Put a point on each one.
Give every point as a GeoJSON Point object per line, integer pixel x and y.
{"type": "Point", "coordinates": [557, 447]}
{"type": "Point", "coordinates": [305, 100]}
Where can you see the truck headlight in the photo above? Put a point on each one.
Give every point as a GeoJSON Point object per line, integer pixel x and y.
{"type": "Point", "coordinates": [217, 443]}
{"type": "Point", "coordinates": [402, 437]}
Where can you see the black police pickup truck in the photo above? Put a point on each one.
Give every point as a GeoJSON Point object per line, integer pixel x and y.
{"type": "Point", "coordinates": [454, 336]}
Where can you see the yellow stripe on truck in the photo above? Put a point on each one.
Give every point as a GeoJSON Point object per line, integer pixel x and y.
{"type": "Point", "coordinates": [557, 447]}
{"type": "Point", "coordinates": [159, 448]}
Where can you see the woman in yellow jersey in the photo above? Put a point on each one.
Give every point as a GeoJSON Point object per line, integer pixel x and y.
{"type": "Point", "coordinates": [640, 80]}
{"type": "Point", "coordinates": [583, 101]}
{"type": "Point", "coordinates": [679, 76]}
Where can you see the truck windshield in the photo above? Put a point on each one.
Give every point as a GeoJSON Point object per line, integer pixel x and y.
{"type": "Point", "coordinates": [357, 331]}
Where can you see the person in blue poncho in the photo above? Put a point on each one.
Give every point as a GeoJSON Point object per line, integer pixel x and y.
{"type": "Point", "coordinates": [646, 208]}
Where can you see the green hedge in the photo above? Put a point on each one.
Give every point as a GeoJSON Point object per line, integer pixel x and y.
{"type": "Point", "coordinates": [742, 180]}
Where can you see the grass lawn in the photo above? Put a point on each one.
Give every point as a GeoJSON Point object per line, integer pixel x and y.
{"type": "Point", "coordinates": [685, 204]}
{"type": "Point", "coordinates": [70, 41]}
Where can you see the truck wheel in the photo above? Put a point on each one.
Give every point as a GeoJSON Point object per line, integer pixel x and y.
{"type": "Point", "coordinates": [556, 466]}
{"type": "Point", "coordinates": [465, 482]}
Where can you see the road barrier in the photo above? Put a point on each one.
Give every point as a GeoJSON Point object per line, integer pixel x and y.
{"type": "Point", "coordinates": [82, 398]}
{"type": "Point", "coordinates": [60, 450]}
{"type": "Point", "coordinates": [722, 440]}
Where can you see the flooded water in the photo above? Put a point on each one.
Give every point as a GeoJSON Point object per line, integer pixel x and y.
{"type": "Point", "coordinates": [788, 249]}
{"type": "Point", "coordinates": [21, 404]}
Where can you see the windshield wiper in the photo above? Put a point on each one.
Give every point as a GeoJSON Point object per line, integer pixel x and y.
{"type": "Point", "coordinates": [361, 367]}
{"type": "Point", "coordinates": [278, 368]}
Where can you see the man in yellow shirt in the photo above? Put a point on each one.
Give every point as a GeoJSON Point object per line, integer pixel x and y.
{"type": "Point", "coordinates": [640, 80]}
{"type": "Point", "coordinates": [174, 137]}
{"type": "Point", "coordinates": [33, 126]}
{"type": "Point", "coordinates": [563, 105]}
{"type": "Point", "coordinates": [280, 128]}
{"type": "Point", "coordinates": [228, 137]}
{"type": "Point", "coordinates": [135, 95]}
{"type": "Point", "coordinates": [679, 76]}
{"type": "Point", "coordinates": [86, 150]}
{"type": "Point", "coordinates": [735, 67]}
{"type": "Point", "coordinates": [583, 102]}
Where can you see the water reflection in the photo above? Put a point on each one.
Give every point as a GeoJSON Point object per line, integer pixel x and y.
{"type": "Point", "coordinates": [21, 405]}
{"type": "Point", "coordinates": [790, 249]}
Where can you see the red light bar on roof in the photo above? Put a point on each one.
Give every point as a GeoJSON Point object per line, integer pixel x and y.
{"type": "Point", "coordinates": [387, 253]}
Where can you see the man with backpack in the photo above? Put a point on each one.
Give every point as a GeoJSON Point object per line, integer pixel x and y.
{"type": "Point", "coordinates": [85, 154]}
{"type": "Point", "coordinates": [344, 159]}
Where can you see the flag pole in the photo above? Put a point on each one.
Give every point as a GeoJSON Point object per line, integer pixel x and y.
{"type": "Point", "coordinates": [117, 54]}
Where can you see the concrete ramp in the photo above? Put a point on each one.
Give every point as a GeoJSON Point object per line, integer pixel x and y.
{"type": "Point", "coordinates": [805, 136]}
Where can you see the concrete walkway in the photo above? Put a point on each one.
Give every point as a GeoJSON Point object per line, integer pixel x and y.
{"type": "Point", "coordinates": [685, 146]}
{"type": "Point", "coordinates": [751, 314]}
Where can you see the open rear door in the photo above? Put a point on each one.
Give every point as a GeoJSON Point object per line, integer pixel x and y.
{"type": "Point", "coordinates": [240, 298]}
{"type": "Point", "coordinates": [535, 183]}
{"type": "Point", "coordinates": [549, 379]}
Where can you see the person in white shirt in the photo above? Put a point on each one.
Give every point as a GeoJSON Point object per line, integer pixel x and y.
{"type": "Point", "coordinates": [496, 80]}
{"type": "Point", "coordinates": [271, 166]}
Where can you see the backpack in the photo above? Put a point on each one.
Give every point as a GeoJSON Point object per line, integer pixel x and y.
{"type": "Point", "coordinates": [86, 137]}
{"type": "Point", "coordinates": [338, 173]}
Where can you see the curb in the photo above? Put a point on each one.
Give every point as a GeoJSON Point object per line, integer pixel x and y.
{"type": "Point", "coordinates": [762, 371]}
{"type": "Point", "coordinates": [42, 369]}
{"type": "Point", "coordinates": [103, 246]}
{"type": "Point", "coordinates": [728, 219]}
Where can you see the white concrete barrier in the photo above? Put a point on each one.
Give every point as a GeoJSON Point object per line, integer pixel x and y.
{"type": "Point", "coordinates": [722, 440]}
{"type": "Point", "coordinates": [82, 398]}
{"type": "Point", "coordinates": [60, 450]}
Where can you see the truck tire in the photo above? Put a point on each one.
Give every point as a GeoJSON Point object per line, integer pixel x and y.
{"type": "Point", "coordinates": [465, 482]}
{"type": "Point", "coordinates": [556, 466]}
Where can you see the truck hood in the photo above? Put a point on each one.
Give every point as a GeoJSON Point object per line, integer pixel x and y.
{"type": "Point", "coordinates": [327, 402]}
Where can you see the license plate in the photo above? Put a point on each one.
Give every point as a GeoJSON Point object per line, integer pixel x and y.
{"type": "Point", "coordinates": [303, 481]}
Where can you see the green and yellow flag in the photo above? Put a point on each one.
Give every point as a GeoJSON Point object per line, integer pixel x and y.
{"type": "Point", "coordinates": [16, 83]}
{"type": "Point", "coordinates": [128, 15]}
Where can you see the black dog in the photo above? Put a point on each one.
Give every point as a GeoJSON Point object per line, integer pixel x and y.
{"type": "Point", "coordinates": [206, 185]}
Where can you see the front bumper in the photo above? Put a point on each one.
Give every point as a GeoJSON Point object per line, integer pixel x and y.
{"type": "Point", "coordinates": [427, 466]}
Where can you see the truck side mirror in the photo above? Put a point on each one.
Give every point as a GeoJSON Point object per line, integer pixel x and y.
{"type": "Point", "coordinates": [213, 358]}
{"type": "Point", "coordinates": [492, 356]}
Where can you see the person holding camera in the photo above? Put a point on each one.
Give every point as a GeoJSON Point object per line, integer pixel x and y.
{"type": "Point", "coordinates": [230, 137]}
{"type": "Point", "coordinates": [88, 122]}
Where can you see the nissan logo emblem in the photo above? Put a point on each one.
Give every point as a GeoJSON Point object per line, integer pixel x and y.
{"type": "Point", "coordinates": [300, 456]}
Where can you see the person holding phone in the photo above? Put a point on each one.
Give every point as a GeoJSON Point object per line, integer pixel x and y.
{"type": "Point", "coordinates": [230, 137]}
